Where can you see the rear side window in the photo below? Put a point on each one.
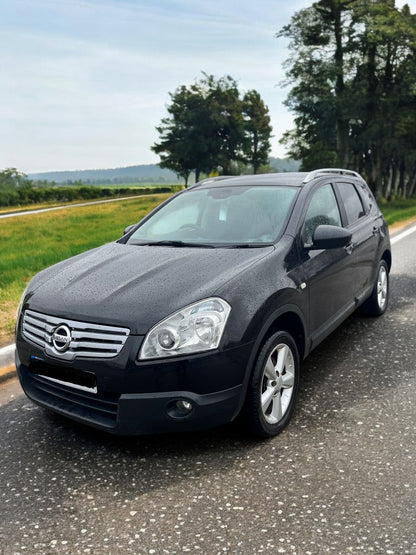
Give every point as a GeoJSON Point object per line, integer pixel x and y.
{"type": "Point", "coordinates": [352, 202]}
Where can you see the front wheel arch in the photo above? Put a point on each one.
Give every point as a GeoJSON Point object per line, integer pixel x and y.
{"type": "Point", "coordinates": [273, 387]}
{"type": "Point", "coordinates": [288, 318]}
{"type": "Point", "coordinates": [377, 302]}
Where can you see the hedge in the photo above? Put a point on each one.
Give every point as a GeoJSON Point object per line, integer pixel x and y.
{"type": "Point", "coordinates": [33, 195]}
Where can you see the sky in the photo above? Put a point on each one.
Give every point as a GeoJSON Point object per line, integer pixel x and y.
{"type": "Point", "coordinates": [85, 82]}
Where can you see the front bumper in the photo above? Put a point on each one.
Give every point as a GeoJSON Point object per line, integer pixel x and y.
{"type": "Point", "coordinates": [133, 398]}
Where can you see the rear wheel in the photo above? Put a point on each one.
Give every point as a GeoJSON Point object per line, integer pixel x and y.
{"type": "Point", "coordinates": [274, 386]}
{"type": "Point", "coordinates": [377, 303]}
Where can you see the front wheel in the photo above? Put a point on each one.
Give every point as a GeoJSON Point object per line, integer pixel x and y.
{"type": "Point", "coordinates": [376, 304]}
{"type": "Point", "coordinates": [274, 386]}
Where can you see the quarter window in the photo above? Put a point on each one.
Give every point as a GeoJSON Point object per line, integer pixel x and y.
{"type": "Point", "coordinates": [352, 202]}
{"type": "Point", "coordinates": [323, 210]}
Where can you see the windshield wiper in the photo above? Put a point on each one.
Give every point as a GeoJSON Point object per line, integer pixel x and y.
{"type": "Point", "coordinates": [173, 243]}
{"type": "Point", "coordinates": [247, 245]}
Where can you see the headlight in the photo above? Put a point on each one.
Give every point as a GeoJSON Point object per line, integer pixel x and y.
{"type": "Point", "coordinates": [20, 307]}
{"type": "Point", "coordinates": [196, 328]}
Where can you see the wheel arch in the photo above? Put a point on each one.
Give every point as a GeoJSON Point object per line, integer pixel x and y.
{"type": "Point", "coordinates": [292, 323]}
{"type": "Point", "coordinates": [289, 319]}
{"type": "Point", "coordinates": [386, 256]}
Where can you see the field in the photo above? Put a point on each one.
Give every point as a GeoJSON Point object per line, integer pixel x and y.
{"type": "Point", "coordinates": [398, 211]}
{"type": "Point", "coordinates": [33, 242]}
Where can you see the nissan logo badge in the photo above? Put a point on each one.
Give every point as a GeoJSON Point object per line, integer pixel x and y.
{"type": "Point", "coordinates": [61, 338]}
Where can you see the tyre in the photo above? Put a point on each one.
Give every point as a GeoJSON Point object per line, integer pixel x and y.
{"type": "Point", "coordinates": [274, 386]}
{"type": "Point", "coordinates": [376, 304]}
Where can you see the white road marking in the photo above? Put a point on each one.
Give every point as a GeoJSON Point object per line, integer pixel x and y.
{"type": "Point", "coordinates": [40, 210]}
{"type": "Point", "coordinates": [403, 234]}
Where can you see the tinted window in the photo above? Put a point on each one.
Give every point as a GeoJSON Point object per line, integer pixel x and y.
{"type": "Point", "coordinates": [367, 197]}
{"type": "Point", "coordinates": [220, 215]}
{"type": "Point", "coordinates": [323, 210]}
{"type": "Point", "coordinates": [352, 202]}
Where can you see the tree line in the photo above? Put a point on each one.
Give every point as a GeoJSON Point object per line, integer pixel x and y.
{"type": "Point", "coordinates": [352, 72]}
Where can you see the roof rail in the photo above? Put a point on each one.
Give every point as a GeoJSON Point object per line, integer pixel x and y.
{"type": "Point", "coordinates": [316, 173]}
{"type": "Point", "coordinates": [213, 179]}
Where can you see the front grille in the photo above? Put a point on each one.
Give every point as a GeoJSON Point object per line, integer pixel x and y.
{"type": "Point", "coordinates": [85, 339]}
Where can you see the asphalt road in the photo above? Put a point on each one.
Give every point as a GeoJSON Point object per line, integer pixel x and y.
{"type": "Point", "coordinates": [340, 479]}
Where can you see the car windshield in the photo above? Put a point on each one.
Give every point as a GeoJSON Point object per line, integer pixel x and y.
{"type": "Point", "coordinates": [219, 216]}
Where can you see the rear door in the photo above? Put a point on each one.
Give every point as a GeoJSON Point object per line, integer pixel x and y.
{"type": "Point", "coordinates": [358, 221]}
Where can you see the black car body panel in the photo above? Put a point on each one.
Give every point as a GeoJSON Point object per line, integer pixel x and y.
{"type": "Point", "coordinates": [90, 285]}
{"type": "Point", "coordinates": [285, 284]}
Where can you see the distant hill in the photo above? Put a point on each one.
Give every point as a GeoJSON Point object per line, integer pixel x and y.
{"type": "Point", "coordinates": [146, 173]}
{"type": "Point", "coordinates": [284, 164]}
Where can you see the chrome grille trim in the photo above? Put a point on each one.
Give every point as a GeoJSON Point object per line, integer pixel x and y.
{"type": "Point", "coordinates": [87, 340]}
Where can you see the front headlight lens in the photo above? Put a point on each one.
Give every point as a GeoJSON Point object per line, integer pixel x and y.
{"type": "Point", "coordinates": [20, 307]}
{"type": "Point", "coordinates": [195, 328]}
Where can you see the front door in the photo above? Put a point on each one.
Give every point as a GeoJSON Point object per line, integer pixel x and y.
{"type": "Point", "coordinates": [327, 271]}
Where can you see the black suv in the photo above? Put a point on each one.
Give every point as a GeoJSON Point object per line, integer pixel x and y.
{"type": "Point", "coordinates": [204, 309]}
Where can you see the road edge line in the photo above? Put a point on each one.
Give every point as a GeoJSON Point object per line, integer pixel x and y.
{"type": "Point", "coordinates": [403, 234]}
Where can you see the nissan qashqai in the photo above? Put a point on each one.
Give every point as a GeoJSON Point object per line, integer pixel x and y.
{"type": "Point", "coordinates": [204, 310]}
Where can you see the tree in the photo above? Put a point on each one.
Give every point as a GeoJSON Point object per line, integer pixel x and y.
{"type": "Point", "coordinates": [181, 147]}
{"type": "Point", "coordinates": [14, 186]}
{"type": "Point", "coordinates": [11, 178]}
{"type": "Point", "coordinates": [384, 139]}
{"type": "Point", "coordinates": [210, 128]}
{"type": "Point", "coordinates": [352, 70]}
{"type": "Point", "coordinates": [319, 38]}
{"type": "Point", "coordinates": [257, 130]}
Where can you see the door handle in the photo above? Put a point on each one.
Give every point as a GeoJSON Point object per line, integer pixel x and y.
{"type": "Point", "coordinates": [349, 248]}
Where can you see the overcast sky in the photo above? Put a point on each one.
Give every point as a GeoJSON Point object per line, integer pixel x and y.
{"type": "Point", "coordinates": [85, 82]}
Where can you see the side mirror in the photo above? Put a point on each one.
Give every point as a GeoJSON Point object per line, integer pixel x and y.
{"type": "Point", "coordinates": [128, 229]}
{"type": "Point", "coordinates": [330, 237]}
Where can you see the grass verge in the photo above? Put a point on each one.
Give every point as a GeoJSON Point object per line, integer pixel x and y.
{"type": "Point", "coordinates": [398, 211]}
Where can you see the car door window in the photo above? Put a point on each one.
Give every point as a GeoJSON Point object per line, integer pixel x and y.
{"type": "Point", "coordinates": [323, 209]}
{"type": "Point", "coordinates": [352, 202]}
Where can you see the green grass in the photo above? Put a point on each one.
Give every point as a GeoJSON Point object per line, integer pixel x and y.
{"type": "Point", "coordinates": [33, 242]}
{"type": "Point", "coordinates": [399, 211]}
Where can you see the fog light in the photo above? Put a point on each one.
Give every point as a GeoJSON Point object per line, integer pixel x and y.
{"type": "Point", "coordinates": [179, 408]}
{"type": "Point", "coordinates": [184, 406]}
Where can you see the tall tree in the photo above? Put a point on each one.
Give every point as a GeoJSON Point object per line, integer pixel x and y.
{"type": "Point", "coordinates": [257, 130]}
{"type": "Point", "coordinates": [352, 70]}
{"type": "Point", "coordinates": [319, 37]}
{"type": "Point", "coordinates": [184, 146]}
{"type": "Point", "coordinates": [386, 95]}
{"type": "Point", "coordinates": [208, 128]}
